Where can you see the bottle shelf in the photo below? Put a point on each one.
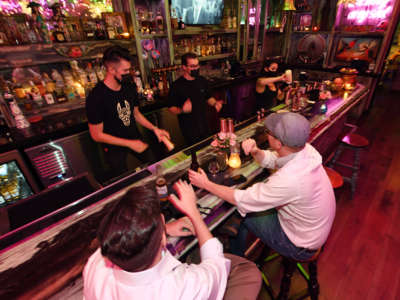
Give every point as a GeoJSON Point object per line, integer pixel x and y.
{"type": "Point", "coordinates": [41, 54]}
{"type": "Point", "coordinates": [152, 36]}
{"type": "Point", "coordinates": [361, 33]}
{"type": "Point", "coordinates": [211, 57]}
{"type": "Point", "coordinates": [191, 31]}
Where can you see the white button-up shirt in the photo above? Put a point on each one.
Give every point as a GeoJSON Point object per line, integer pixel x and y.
{"type": "Point", "coordinates": [301, 192]}
{"type": "Point", "coordinates": [169, 279]}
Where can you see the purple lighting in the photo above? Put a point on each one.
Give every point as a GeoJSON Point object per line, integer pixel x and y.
{"type": "Point", "coordinates": [366, 12]}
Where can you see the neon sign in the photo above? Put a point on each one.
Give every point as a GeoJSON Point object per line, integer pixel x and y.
{"type": "Point", "coordinates": [369, 12]}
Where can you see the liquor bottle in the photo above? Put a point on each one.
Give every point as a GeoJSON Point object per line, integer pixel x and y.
{"type": "Point", "coordinates": [32, 36]}
{"type": "Point", "coordinates": [159, 22]}
{"type": "Point", "coordinates": [161, 184]}
{"type": "Point", "coordinates": [218, 48]}
{"type": "Point", "coordinates": [99, 32]}
{"type": "Point", "coordinates": [59, 86]}
{"type": "Point", "coordinates": [3, 33]}
{"type": "Point", "coordinates": [49, 84]}
{"type": "Point", "coordinates": [229, 19]}
{"type": "Point", "coordinates": [138, 82]}
{"type": "Point", "coordinates": [49, 88]}
{"type": "Point", "coordinates": [91, 75]}
{"type": "Point", "coordinates": [100, 71]}
{"type": "Point", "coordinates": [174, 19]}
{"type": "Point", "coordinates": [162, 188]}
{"type": "Point", "coordinates": [181, 24]}
{"type": "Point", "coordinates": [152, 23]}
{"type": "Point", "coordinates": [194, 165]}
{"type": "Point", "coordinates": [111, 32]}
{"type": "Point", "coordinates": [234, 21]}
{"type": "Point", "coordinates": [35, 94]}
{"type": "Point", "coordinates": [89, 29]}
{"type": "Point", "coordinates": [19, 92]}
{"type": "Point", "coordinates": [20, 120]}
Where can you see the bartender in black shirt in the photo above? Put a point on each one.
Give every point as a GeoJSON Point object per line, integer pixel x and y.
{"type": "Point", "coordinates": [188, 98]}
{"type": "Point", "coordinates": [112, 111]}
{"type": "Point", "coordinates": [267, 87]}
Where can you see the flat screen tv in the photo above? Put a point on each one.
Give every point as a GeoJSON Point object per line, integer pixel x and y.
{"type": "Point", "coordinates": [198, 12]}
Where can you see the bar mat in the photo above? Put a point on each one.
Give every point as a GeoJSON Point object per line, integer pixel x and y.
{"type": "Point", "coordinates": [278, 107]}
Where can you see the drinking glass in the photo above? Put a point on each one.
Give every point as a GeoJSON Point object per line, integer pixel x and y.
{"type": "Point", "coordinates": [213, 167]}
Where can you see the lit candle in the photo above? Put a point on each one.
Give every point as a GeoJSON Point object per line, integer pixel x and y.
{"type": "Point", "coordinates": [348, 86]}
{"type": "Point", "coordinates": [234, 161]}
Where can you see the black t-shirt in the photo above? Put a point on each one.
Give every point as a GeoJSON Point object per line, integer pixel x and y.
{"type": "Point", "coordinates": [114, 109]}
{"type": "Point", "coordinates": [198, 92]}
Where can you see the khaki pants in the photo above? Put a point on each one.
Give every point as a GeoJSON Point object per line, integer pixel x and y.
{"type": "Point", "coordinates": [244, 281]}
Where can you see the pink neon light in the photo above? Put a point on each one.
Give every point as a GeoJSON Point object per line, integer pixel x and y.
{"type": "Point", "coordinates": [369, 12]}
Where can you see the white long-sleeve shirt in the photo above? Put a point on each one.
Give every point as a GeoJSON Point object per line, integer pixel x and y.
{"type": "Point", "coordinates": [169, 279]}
{"type": "Point", "coordinates": [301, 192]}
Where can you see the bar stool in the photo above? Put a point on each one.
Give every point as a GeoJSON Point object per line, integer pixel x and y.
{"type": "Point", "coordinates": [290, 266]}
{"type": "Point", "coordinates": [355, 143]}
{"type": "Point", "coordinates": [335, 178]}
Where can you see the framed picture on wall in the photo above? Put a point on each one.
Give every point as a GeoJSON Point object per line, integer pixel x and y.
{"type": "Point", "coordinates": [116, 20]}
{"type": "Point", "coordinates": [362, 48]}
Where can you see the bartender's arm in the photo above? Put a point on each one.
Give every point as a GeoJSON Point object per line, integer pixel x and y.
{"type": "Point", "coordinates": [146, 123]}
{"type": "Point", "coordinates": [263, 81]}
{"type": "Point", "coordinates": [98, 135]}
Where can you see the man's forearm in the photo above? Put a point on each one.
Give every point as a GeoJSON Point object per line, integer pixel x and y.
{"type": "Point", "coordinates": [143, 121]}
{"type": "Point", "coordinates": [175, 110]}
{"type": "Point", "coordinates": [203, 234]}
{"type": "Point", "coordinates": [221, 191]}
{"type": "Point", "coordinates": [112, 140]}
{"type": "Point", "coordinates": [258, 155]}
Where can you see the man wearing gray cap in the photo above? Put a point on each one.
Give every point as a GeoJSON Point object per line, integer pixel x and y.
{"type": "Point", "coordinates": [299, 192]}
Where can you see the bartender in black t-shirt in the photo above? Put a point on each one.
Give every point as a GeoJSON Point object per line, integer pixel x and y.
{"type": "Point", "coordinates": [188, 98]}
{"type": "Point", "coordinates": [112, 111]}
{"type": "Point", "coordinates": [267, 89]}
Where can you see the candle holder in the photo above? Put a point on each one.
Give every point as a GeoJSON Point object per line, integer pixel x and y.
{"type": "Point", "coordinates": [234, 159]}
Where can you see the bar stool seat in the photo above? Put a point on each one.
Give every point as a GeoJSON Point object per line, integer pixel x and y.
{"type": "Point", "coordinates": [355, 143]}
{"type": "Point", "coordinates": [335, 178]}
{"type": "Point", "coordinates": [290, 266]}
{"type": "Point", "coordinates": [355, 140]}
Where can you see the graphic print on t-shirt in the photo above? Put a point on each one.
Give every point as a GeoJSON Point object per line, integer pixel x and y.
{"type": "Point", "coordinates": [124, 113]}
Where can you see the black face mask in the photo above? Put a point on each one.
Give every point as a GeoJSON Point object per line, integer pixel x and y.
{"type": "Point", "coordinates": [126, 78]}
{"type": "Point", "coordinates": [269, 73]}
{"type": "Point", "coordinates": [195, 73]}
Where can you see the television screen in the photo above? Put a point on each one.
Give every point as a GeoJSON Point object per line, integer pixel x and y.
{"type": "Point", "coordinates": [198, 12]}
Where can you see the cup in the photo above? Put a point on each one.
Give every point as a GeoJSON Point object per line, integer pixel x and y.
{"type": "Point", "coordinates": [289, 78]}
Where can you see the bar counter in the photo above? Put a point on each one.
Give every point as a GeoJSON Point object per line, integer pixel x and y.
{"type": "Point", "coordinates": [46, 255]}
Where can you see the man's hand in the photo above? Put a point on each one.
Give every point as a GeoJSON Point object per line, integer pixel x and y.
{"type": "Point", "coordinates": [199, 178]}
{"type": "Point", "coordinates": [249, 146]}
{"type": "Point", "coordinates": [137, 146]}
{"type": "Point", "coordinates": [187, 106]}
{"type": "Point", "coordinates": [187, 201]}
{"type": "Point", "coordinates": [160, 133]}
{"type": "Point", "coordinates": [180, 227]}
{"type": "Point", "coordinates": [218, 105]}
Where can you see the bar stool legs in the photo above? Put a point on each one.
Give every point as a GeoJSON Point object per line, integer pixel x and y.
{"type": "Point", "coordinates": [313, 285]}
{"type": "Point", "coordinates": [288, 267]}
{"type": "Point", "coordinates": [355, 143]}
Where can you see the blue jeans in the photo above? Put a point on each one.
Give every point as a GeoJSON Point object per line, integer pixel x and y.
{"type": "Point", "coordinates": [265, 225]}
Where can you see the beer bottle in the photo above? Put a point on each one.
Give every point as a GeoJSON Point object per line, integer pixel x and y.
{"type": "Point", "coordinates": [194, 165]}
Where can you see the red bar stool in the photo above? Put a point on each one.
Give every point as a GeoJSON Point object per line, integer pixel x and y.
{"type": "Point", "coordinates": [335, 178]}
{"type": "Point", "coordinates": [355, 143]}
{"type": "Point", "coordinates": [290, 266]}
